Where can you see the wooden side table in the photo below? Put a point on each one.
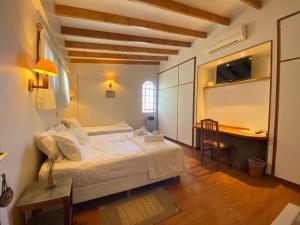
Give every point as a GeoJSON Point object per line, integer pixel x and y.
{"type": "Point", "coordinates": [37, 197]}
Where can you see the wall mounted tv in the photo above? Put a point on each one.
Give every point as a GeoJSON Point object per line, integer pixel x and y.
{"type": "Point", "coordinates": [233, 71]}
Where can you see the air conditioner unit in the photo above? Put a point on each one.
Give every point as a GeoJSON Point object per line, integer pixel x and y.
{"type": "Point", "coordinates": [229, 38]}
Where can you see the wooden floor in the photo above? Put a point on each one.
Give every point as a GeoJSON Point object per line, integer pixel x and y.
{"type": "Point", "coordinates": [207, 197]}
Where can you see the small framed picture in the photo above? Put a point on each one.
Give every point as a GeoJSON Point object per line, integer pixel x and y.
{"type": "Point", "coordinates": [110, 94]}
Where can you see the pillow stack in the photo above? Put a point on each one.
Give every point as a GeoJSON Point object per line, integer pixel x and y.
{"type": "Point", "coordinates": [80, 135]}
{"type": "Point", "coordinates": [71, 122]}
{"type": "Point", "coordinates": [76, 129]}
{"type": "Point", "coordinates": [63, 140]}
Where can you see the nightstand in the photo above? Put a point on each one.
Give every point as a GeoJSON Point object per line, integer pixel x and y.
{"type": "Point", "coordinates": [36, 197]}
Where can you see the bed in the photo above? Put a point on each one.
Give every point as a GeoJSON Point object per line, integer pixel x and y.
{"type": "Point", "coordinates": [113, 163]}
{"type": "Point", "coordinates": [97, 130]}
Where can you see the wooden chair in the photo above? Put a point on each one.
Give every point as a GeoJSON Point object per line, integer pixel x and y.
{"type": "Point", "coordinates": [210, 141]}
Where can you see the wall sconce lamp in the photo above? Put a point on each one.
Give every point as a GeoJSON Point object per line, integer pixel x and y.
{"type": "Point", "coordinates": [72, 94]}
{"type": "Point", "coordinates": [110, 83]}
{"type": "Point", "coordinates": [3, 155]}
{"type": "Point", "coordinates": [46, 68]}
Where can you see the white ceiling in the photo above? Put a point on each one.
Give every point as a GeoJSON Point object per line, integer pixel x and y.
{"type": "Point", "coordinates": [227, 8]}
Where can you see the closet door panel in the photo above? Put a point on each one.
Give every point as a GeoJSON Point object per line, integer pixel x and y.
{"type": "Point", "coordinates": [186, 72]}
{"type": "Point", "coordinates": [185, 113]}
{"type": "Point", "coordinates": [290, 33]}
{"type": "Point", "coordinates": [168, 78]}
{"type": "Point", "coordinates": [288, 138]}
{"type": "Point", "coordinates": [167, 112]}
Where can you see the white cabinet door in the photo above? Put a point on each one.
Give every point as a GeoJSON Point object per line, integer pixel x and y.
{"type": "Point", "coordinates": [185, 113]}
{"type": "Point", "coordinates": [186, 72]}
{"type": "Point", "coordinates": [168, 78]}
{"type": "Point", "coordinates": [290, 33]}
{"type": "Point", "coordinates": [167, 112]}
{"type": "Point", "coordinates": [288, 138]}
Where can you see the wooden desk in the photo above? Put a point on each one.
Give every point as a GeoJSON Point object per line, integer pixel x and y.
{"type": "Point", "coordinates": [237, 131]}
{"type": "Point", "coordinates": [245, 145]}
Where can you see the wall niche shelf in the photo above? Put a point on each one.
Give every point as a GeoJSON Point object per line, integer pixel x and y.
{"type": "Point", "coordinates": [237, 82]}
{"type": "Point", "coordinates": [242, 103]}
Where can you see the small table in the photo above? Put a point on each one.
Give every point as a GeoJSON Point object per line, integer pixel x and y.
{"type": "Point", "coordinates": [37, 197]}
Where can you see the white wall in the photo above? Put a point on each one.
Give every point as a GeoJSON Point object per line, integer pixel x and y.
{"type": "Point", "coordinates": [262, 26]}
{"type": "Point", "coordinates": [261, 66]}
{"type": "Point", "coordinates": [96, 109]}
{"type": "Point", "coordinates": [19, 118]}
{"type": "Point", "coordinates": [241, 105]}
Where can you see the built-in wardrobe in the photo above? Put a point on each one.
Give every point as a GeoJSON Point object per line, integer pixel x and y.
{"type": "Point", "coordinates": [176, 102]}
{"type": "Point", "coordinates": [286, 157]}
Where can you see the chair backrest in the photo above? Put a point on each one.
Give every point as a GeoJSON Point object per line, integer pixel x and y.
{"type": "Point", "coordinates": [209, 133]}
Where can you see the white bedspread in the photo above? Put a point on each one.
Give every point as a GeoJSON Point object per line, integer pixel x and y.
{"type": "Point", "coordinates": [111, 156]}
{"type": "Point", "coordinates": [107, 129]}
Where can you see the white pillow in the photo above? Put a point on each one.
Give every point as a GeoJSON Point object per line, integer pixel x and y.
{"type": "Point", "coordinates": [140, 132]}
{"type": "Point", "coordinates": [122, 124]}
{"type": "Point", "coordinates": [57, 128]}
{"type": "Point", "coordinates": [47, 144]}
{"type": "Point", "coordinates": [71, 122]}
{"type": "Point", "coordinates": [80, 134]}
{"type": "Point", "coordinates": [68, 145]}
{"type": "Point", "coordinates": [144, 130]}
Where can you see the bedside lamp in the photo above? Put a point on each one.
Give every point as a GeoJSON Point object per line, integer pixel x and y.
{"type": "Point", "coordinates": [45, 67]}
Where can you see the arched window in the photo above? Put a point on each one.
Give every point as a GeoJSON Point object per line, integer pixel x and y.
{"type": "Point", "coordinates": [149, 97]}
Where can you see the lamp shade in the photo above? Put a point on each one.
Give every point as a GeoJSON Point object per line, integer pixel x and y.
{"type": "Point", "coordinates": [45, 66]}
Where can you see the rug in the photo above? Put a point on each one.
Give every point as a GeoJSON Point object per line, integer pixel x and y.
{"type": "Point", "coordinates": [147, 208]}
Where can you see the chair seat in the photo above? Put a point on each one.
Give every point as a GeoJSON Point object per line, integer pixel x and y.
{"type": "Point", "coordinates": [210, 141]}
{"type": "Point", "coordinates": [223, 145]}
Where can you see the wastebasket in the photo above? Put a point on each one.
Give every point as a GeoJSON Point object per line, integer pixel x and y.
{"type": "Point", "coordinates": [256, 167]}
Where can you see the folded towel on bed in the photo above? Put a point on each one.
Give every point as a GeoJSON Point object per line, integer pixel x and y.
{"type": "Point", "coordinates": [154, 138]}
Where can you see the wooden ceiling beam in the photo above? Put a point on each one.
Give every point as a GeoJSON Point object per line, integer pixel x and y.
{"type": "Point", "coordinates": [121, 37]}
{"type": "Point", "coordinates": [187, 10]}
{"type": "Point", "coordinates": [119, 48]}
{"type": "Point", "coordinates": [115, 56]}
{"type": "Point", "coordinates": [80, 13]}
{"type": "Point", "coordinates": [105, 61]}
{"type": "Point", "coordinates": [254, 3]}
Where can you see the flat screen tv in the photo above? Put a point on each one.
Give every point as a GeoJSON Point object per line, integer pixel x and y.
{"type": "Point", "coordinates": [233, 71]}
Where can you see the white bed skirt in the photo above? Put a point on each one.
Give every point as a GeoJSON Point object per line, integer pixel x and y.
{"type": "Point", "coordinates": [82, 194]}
